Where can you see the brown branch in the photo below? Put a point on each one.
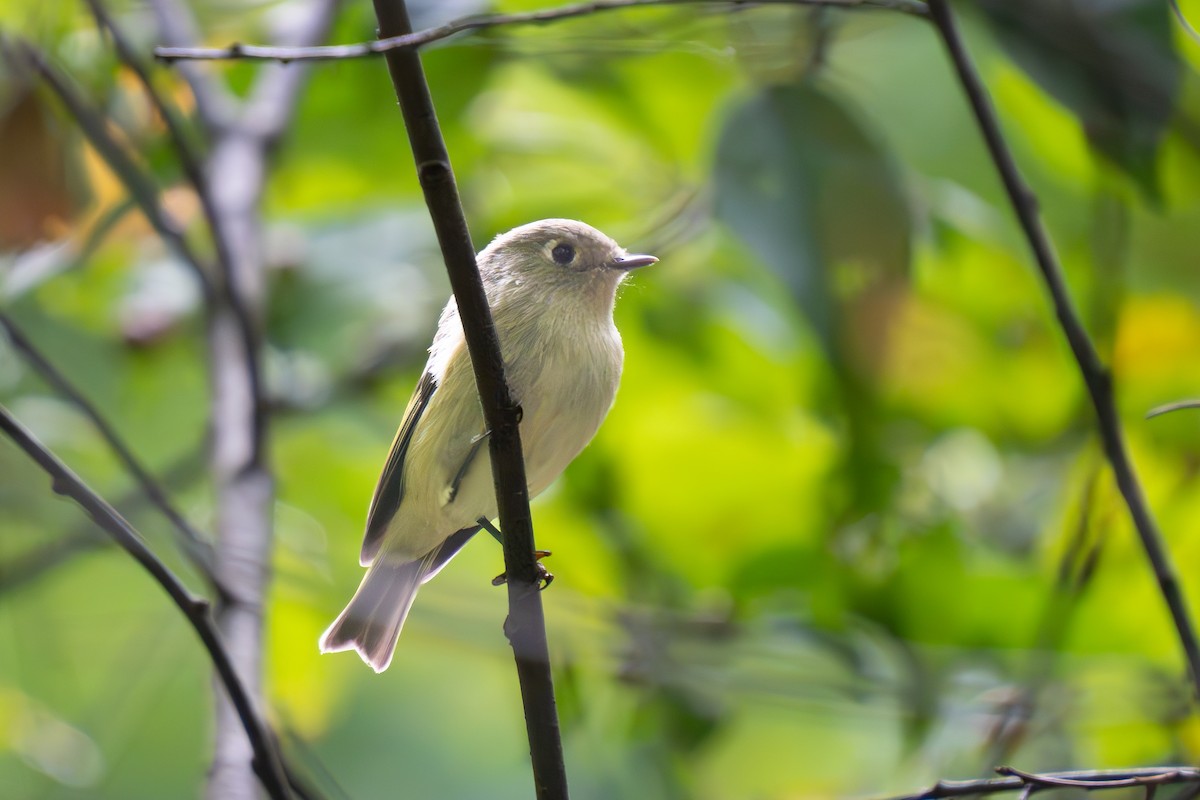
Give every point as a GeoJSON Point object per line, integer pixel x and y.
{"type": "Point", "coordinates": [412, 41]}
{"type": "Point", "coordinates": [1095, 374]}
{"type": "Point", "coordinates": [195, 609]}
{"type": "Point", "coordinates": [526, 625]}
{"type": "Point", "coordinates": [1089, 780]}
{"type": "Point", "coordinates": [193, 543]}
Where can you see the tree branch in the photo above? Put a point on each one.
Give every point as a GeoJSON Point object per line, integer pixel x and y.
{"type": "Point", "coordinates": [1095, 374]}
{"type": "Point", "coordinates": [68, 484]}
{"type": "Point", "coordinates": [236, 171]}
{"type": "Point", "coordinates": [193, 543]}
{"type": "Point", "coordinates": [411, 41]}
{"type": "Point", "coordinates": [1090, 780]}
{"type": "Point", "coordinates": [525, 626]}
{"type": "Point", "coordinates": [1179, 405]}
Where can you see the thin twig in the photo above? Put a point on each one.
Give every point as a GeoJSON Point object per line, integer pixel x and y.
{"type": "Point", "coordinates": [1090, 780]}
{"type": "Point", "coordinates": [140, 186]}
{"type": "Point", "coordinates": [1095, 374]}
{"type": "Point", "coordinates": [189, 159]}
{"type": "Point", "coordinates": [193, 543]}
{"type": "Point", "coordinates": [196, 609]}
{"type": "Point", "coordinates": [31, 565]}
{"type": "Point", "coordinates": [1169, 407]}
{"type": "Point", "coordinates": [526, 624]}
{"type": "Point", "coordinates": [411, 41]}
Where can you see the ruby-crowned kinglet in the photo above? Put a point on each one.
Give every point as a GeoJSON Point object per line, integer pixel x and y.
{"type": "Point", "coordinates": [551, 286]}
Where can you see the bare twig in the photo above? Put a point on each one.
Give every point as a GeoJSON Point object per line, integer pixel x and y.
{"type": "Point", "coordinates": [1169, 407]}
{"type": "Point", "coordinates": [140, 186]}
{"type": "Point", "coordinates": [1095, 374]}
{"type": "Point", "coordinates": [194, 544]}
{"type": "Point", "coordinates": [410, 41]}
{"type": "Point", "coordinates": [526, 625]}
{"type": "Point", "coordinates": [189, 159]}
{"type": "Point", "coordinates": [84, 538]}
{"type": "Point", "coordinates": [193, 168]}
{"type": "Point", "coordinates": [1090, 780]}
{"type": "Point", "coordinates": [196, 609]}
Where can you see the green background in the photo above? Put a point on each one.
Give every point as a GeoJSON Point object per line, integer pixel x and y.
{"type": "Point", "coordinates": [834, 536]}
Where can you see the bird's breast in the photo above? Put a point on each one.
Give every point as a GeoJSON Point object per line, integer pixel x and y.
{"type": "Point", "coordinates": [565, 393]}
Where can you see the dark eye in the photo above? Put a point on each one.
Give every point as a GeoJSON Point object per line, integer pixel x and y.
{"type": "Point", "coordinates": [563, 254]}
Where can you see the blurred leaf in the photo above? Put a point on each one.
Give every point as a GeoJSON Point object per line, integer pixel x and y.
{"type": "Point", "coordinates": [1112, 64]}
{"type": "Point", "coordinates": [812, 193]}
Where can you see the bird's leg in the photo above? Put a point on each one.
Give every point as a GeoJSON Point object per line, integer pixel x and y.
{"type": "Point", "coordinates": [544, 576]}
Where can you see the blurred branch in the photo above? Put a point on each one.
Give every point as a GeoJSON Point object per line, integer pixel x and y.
{"type": "Point", "coordinates": [1091, 780]}
{"type": "Point", "coordinates": [411, 41]}
{"type": "Point", "coordinates": [32, 565]}
{"type": "Point", "coordinates": [526, 624]}
{"type": "Point", "coordinates": [188, 158]}
{"type": "Point", "coordinates": [1095, 374]}
{"type": "Point", "coordinates": [235, 175]}
{"type": "Point", "coordinates": [139, 185]}
{"type": "Point", "coordinates": [196, 609]}
{"type": "Point", "coordinates": [1169, 407]}
{"type": "Point", "coordinates": [194, 544]}
{"type": "Point", "coordinates": [1184, 22]}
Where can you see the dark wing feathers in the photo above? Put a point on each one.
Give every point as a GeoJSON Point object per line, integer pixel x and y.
{"type": "Point", "coordinates": [390, 489]}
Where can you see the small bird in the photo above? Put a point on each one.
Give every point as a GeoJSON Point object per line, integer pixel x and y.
{"type": "Point", "coordinates": [551, 286]}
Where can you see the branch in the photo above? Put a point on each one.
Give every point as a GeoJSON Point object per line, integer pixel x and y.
{"type": "Point", "coordinates": [84, 538]}
{"type": "Point", "coordinates": [1169, 407]}
{"type": "Point", "coordinates": [194, 544]}
{"type": "Point", "coordinates": [140, 186]}
{"type": "Point", "coordinates": [1095, 374]}
{"type": "Point", "coordinates": [67, 483]}
{"type": "Point", "coordinates": [1090, 780]}
{"type": "Point", "coordinates": [526, 624]}
{"type": "Point", "coordinates": [412, 41]}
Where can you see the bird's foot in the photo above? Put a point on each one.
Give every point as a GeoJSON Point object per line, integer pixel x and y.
{"type": "Point", "coordinates": [544, 576]}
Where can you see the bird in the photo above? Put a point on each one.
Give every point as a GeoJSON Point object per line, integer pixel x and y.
{"type": "Point", "coordinates": [551, 286]}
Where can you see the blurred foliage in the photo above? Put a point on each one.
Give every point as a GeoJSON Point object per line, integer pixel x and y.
{"type": "Point", "coordinates": [847, 529]}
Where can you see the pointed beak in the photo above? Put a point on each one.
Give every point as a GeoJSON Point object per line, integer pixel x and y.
{"type": "Point", "coordinates": [629, 262]}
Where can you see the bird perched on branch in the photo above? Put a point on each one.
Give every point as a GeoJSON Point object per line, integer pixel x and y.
{"type": "Point", "coordinates": [551, 286]}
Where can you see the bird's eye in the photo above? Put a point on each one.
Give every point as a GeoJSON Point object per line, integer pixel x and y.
{"type": "Point", "coordinates": [563, 254]}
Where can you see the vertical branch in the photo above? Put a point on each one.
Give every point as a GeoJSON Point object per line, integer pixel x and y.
{"type": "Point", "coordinates": [1095, 374]}
{"type": "Point", "coordinates": [233, 183]}
{"type": "Point", "coordinates": [525, 627]}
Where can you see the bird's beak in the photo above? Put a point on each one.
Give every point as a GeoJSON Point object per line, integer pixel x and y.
{"type": "Point", "coordinates": [629, 262]}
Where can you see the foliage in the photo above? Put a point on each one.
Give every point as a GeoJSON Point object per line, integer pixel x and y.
{"type": "Point", "coordinates": [847, 529]}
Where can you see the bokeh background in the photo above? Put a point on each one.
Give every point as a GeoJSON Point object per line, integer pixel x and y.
{"type": "Point", "coordinates": [848, 528]}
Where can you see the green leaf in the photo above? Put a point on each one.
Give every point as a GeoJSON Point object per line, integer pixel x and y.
{"type": "Point", "coordinates": [808, 188]}
{"type": "Point", "coordinates": [1112, 64]}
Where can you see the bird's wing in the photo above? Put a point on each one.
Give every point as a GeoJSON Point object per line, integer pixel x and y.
{"type": "Point", "coordinates": [390, 489]}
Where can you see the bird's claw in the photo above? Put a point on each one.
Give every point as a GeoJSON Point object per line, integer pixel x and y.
{"type": "Point", "coordinates": [544, 576]}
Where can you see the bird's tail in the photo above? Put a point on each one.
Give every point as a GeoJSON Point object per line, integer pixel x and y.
{"type": "Point", "coordinates": [371, 622]}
